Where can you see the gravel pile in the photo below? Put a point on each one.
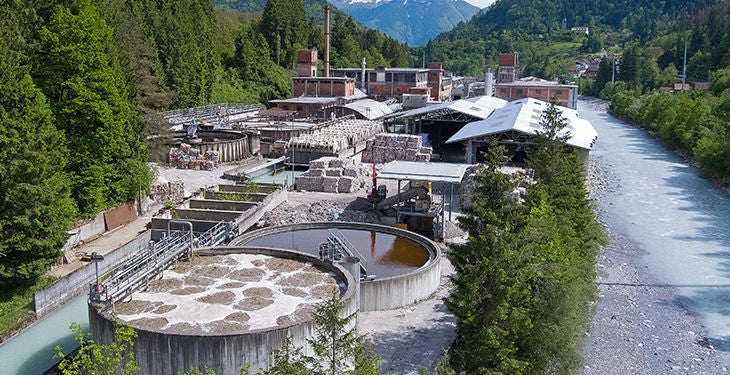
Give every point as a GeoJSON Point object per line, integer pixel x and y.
{"type": "Point", "coordinates": [359, 210]}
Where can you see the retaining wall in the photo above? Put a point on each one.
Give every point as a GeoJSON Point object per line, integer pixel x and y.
{"type": "Point", "coordinates": [76, 283]}
{"type": "Point", "coordinates": [379, 294]}
{"type": "Point", "coordinates": [168, 354]}
{"type": "Point", "coordinates": [221, 205]}
{"type": "Point", "coordinates": [245, 197]}
{"type": "Point", "coordinates": [205, 214]}
{"type": "Point", "coordinates": [242, 188]}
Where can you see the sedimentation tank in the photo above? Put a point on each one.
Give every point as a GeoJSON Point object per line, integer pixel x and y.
{"type": "Point", "coordinates": [226, 308]}
{"type": "Point", "coordinates": [402, 266]}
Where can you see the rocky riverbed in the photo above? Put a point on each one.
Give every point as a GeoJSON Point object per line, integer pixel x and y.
{"type": "Point", "coordinates": [640, 324]}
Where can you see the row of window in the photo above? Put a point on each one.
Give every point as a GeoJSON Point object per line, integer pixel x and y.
{"type": "Point", "coordinates": [503, 90]}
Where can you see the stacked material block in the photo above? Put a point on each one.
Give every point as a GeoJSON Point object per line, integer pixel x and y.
{"type": "Point", "coordinates": [333, 175]}
{"type": "Point", "coordinates": [388, 147]}
{"type": "Point", "coordinates": [336, 137]}
{"type": "Point", "coordinates": [186, 157]}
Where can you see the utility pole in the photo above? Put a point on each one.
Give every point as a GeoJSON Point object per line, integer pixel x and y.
{"type": "Point", "coordinates": [613, 71]}
{"type": "Point", "coordinates": [684, 70]}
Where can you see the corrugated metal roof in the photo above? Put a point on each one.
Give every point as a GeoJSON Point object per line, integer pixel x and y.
{"type": "Point", "coordinates": [524, 116]}
{"type": "Point", "coordinates": [423, 171]}
{"type": "Point", "coordinates": [371, 109]}
{"type": "Point", "coordinates": [479, 107]}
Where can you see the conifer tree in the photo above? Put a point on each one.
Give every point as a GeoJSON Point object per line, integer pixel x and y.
{"type": "Point", "coordinates": [489, 296]}
{"type": "Point", "coordinates": [284, 25]}
{"type": "Point", "coordinates": [35, 204]}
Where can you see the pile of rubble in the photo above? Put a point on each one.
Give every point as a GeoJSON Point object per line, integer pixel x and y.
{"type": "Point", "coordinates": [389, 147]}
{"type": "Point", "coordinates": [333, 175]}
{"type": "Point", "coordinates": [186, 157]}
{"type": "Point", "coordinates": [336, 137]}
{"type": "Point", "coordinates": [359, 210]}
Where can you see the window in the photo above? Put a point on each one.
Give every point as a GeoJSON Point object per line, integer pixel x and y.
{"type": "Point", "coordinates": [538, 91]}
{"type": "Point", "coordinates": [502, 90]}
{"type": "Point", "coordinates": [559, 92]}
{"type": "Point", "coordinates": [519, 91]}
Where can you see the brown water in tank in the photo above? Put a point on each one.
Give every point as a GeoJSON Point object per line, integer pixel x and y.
{"type": "Point", "coordinates": [387, 255]}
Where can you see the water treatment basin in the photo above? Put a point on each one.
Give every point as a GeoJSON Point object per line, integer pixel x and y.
{"type": "Point", "coordinates": [402, 267]}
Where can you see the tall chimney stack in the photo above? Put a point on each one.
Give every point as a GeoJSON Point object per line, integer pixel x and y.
{"type": "Point", "coordinates": [326, 40]}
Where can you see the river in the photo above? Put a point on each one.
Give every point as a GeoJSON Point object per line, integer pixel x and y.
{"type": "Point", "coordinates": [678, 220]}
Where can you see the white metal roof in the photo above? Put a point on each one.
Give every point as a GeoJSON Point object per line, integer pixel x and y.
{"type": "Point", "coordinates": [371, 109]}
{"type": "Point", "coordinates": [524, 116]}
{"type": "Point", "coordinates": [423, 171]}
{"type": "Point", "coordinates": [479, 107]}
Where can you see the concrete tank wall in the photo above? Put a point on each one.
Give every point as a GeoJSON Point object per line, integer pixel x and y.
{"type": "Point", "coordinates": [378, 294]}
{"type": "Point", "coordinates": [164, 353]}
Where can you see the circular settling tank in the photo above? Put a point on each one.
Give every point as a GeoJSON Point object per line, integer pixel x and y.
{"type": "Point", "coordinates": [402, 266]}
{"type": "Point", "coordinates": [224, 308]}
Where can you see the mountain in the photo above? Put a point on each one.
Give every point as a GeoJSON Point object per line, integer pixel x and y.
{"type": "Point", "coordinates": [411, 21]}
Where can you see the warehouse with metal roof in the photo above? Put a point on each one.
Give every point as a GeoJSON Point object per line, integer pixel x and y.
{"type": "Point", "coordinates": [515, 125]}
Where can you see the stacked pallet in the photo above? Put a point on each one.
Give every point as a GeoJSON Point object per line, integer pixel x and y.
{"type": "Point", "coordinates": [333, 175]}
{"type": "Point", "coordinates": [388, 147]}
{"type": "Point", "coordinates": [186, 157]}
{"type": "Point", "coordinates": [336, 137]}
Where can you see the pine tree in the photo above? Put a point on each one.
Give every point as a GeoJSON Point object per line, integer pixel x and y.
{"type": "Point", "coordinates": [337, 347]}
{"type": "Point", "coordinates": [489, 295]}
{"type": "Point", "coordinates": [35, 204]}
{"type": "Point", "coordinates": [284, 25]}
{"type": "Point", "coordinates": [563, 236]}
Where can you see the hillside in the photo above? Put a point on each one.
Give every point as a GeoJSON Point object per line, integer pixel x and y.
{"type": "Point", "coordinates": [413, 22]}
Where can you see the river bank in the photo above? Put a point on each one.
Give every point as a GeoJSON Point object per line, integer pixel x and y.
{"type": "Point", "coordinates": [641, 324]}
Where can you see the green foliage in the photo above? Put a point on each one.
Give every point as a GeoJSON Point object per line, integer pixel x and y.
{"type": "Point", "coordinates": [695, 123]}
{"type": "Point", "coordinates": [94, 358]}
{"type": "Point", "coordinates": [35, 204]}
{"type": "Point", "coordinates": [16, 305]}
{"type": "Point", "coordinates": [524, 279]}
{"type": "Point", "coordinates": [80, 73]}
{"type": "Point", "coordinates": [337, 347]}
{"type": "Point", "coordinates": [284, 26]}
{"type": "Point", "coordinates": [489, 295]}
{"type": "Point", "coordinates": [230, 196]}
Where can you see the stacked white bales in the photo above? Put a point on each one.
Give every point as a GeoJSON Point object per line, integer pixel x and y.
{"type": "Point", "coordinates": [388, 147]}
{"type": "Point", "coordinates": [336, 137]}
{"type": "Point", "coordinates": [333, 175]}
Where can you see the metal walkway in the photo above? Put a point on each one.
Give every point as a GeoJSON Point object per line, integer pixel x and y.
{"type": "Point", "coordinates": [338, 246]}
{"type": "Point", "coordinates": [136, 273]}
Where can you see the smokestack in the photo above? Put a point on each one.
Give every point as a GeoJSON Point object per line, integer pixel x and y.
{"type": "Point", "coordinates": [362, 75]}
{"type": "Point", "coordinates": [489, 83]}
{"type": "Point", "coordinates": [326, 40]}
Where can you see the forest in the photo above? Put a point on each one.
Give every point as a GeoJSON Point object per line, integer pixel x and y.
{"type": "Point", "coordinates": [84, 82]}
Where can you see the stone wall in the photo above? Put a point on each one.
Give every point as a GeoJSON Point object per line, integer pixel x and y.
{"type": "Point", "coordinates": [388, 147]}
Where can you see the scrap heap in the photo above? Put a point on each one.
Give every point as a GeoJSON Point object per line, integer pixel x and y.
{"type": "Point", "coordinates": [185, 157]}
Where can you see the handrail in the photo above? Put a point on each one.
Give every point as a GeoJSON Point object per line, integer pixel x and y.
{"type": "Point", "coordinates": [137, 271]}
